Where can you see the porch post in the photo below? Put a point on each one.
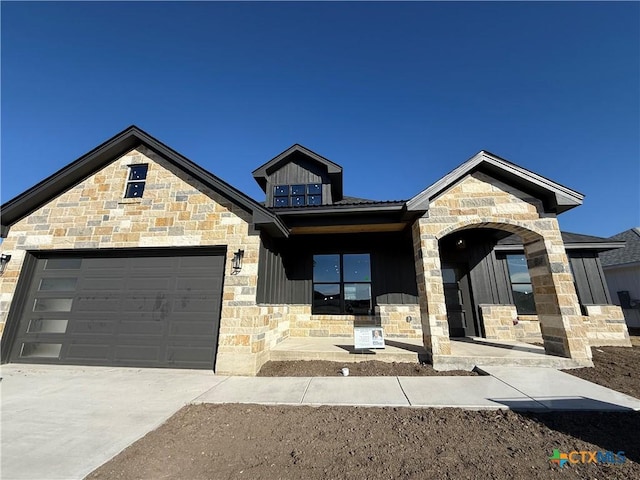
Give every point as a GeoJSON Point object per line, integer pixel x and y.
{"type": "Point", "coordinates": [561, 322]}
{"type": "Point", "coordinates": [433, 309]}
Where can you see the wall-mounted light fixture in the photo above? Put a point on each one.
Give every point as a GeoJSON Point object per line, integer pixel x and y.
{"type": "Point", "coordinates": [461, 244]}
{"type": "Point", "coordinates": [4, 259]}
{"type": "Point", "coordinates": [237, 262]}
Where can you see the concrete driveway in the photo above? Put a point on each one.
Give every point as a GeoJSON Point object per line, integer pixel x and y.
{"type": "Point", "coordinates": [62, 422]}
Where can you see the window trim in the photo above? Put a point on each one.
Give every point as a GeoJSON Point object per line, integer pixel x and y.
{"type": "Point", "coordinates": [341, 282]}
{"type": "Point", "coordinates": [130, 181]}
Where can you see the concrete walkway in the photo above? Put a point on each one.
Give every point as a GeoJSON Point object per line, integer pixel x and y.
{"type": "Point", "coordinates": [62, 422]}
{"type": "Point", "coordinates": [516, 388]}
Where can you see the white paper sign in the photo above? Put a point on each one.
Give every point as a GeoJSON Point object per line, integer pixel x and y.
{"type": "Point", "coordinates": [368, 337]}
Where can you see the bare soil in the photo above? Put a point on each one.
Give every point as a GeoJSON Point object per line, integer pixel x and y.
{"type": "Point", "coordinates": [278, 442]}
{"type": "Point", "coordinates": [318, 368]}
{"type": "Point", "coordinates": [617, 368]}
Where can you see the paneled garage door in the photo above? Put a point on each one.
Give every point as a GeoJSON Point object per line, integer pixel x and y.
{"type": "Point", "coordinates": [134, 308]}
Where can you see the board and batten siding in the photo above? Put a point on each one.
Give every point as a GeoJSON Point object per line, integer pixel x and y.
{"type": "Point", "coordinates": [285, 272]}
{"type": "Point", "coordinates": [489, 277]}
{"type": "Point", "coordinates": [299, 171]}
{"type": "Point", "coordinates": [591, 284]}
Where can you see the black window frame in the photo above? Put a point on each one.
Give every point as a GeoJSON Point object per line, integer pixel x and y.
{"type": "Point", "coordinates": [521, 308]}
{"type": "Point", "coordinates": [136, 180]}
{"type": "Point", "coordinates": [297, 195]}
{"type": "Point", "coordinates": [344, 307]}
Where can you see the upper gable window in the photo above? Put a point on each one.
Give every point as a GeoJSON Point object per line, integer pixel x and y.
{"type": "Point", "coordinates": [136, 181]}
{"type": "Point", "coordinates": [297, 195]}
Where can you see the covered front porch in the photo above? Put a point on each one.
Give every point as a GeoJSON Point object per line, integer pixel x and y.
{"type": "Point", "coordinates": [466, 352]}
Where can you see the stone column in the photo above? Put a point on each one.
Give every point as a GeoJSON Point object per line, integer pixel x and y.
{"type": "Point", "coordinates": [433, 309]}
{"type": "Point", "coordinates": [561, 322]}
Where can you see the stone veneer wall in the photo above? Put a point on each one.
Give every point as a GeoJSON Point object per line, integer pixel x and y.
{"type": "Point", "coordinates": [175, 210]}
{"type": "Point", "coordinates": [499, 321]}
{"type": "Point", "coordinates": [606, 326]}
{"type": "Point", "coordinates": [277, 317]}
{"type": "Point", "coordinates": [480, 201]}
{"type": "Point", "coordinates": [528, 329]}
{"type": "Point", "coordinates": [400, 321]}
{"type": "Point", "coordinates": [392, 318]}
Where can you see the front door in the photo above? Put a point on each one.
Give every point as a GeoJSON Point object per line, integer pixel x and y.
{"type": "Point", "coordinates": [457, 294]}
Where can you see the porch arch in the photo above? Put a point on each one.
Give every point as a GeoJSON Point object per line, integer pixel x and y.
{"type": "Point", "coordinates": [556, 300]}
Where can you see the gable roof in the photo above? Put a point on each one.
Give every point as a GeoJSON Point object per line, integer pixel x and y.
{"type": "Point", "coordinates": [627, 255]}
{"type": "Point", "coordinates": [556, 198]}
{"type": "Point", "coordinates": [123, 142]}
{"type": "Point", "coordinates": [333, 169]}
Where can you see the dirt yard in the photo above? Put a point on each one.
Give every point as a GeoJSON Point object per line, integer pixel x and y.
{"type": "Point", "coordinates": [277, 442]}
{"type": "Point", "coordinates": [372, 368]}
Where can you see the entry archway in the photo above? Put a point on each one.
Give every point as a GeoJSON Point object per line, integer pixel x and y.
{"type": "Point", "coordinates": [561, 323]}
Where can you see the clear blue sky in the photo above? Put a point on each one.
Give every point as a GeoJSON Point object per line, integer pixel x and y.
{"type": "Point", "coordinates": [398, 94]}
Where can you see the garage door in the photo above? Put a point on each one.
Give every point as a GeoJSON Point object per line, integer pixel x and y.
{"type": "Point", "coordinates": [135, 308]}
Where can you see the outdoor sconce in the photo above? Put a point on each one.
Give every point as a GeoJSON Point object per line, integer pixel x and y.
{"type": "Point", "coordinates": [237, 262]}
{"type": "Point", "coordinates": [461, 244]}
{"type": "Point", "coordinates": [4, 259]}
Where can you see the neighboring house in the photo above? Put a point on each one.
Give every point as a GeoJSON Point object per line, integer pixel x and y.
{"type": "Point", "coordinates": [132, 255]}
{"type": "Point", "coordinates": [622, 270]}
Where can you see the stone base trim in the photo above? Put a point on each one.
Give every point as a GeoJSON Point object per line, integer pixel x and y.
{"type": "Point", "coordinates": [499, 321]}
{"type": "Point", "coordinates": [606, 326]}
{"type": "Point", "coordinates": [392, 318]}
{"type": "Point", "coordinates": [528, 329]}
{"type": "Point", "coordinates": [400, 321]}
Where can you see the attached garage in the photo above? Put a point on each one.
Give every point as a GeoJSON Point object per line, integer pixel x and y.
{"type": "Point", "coordinates": [135, 308]}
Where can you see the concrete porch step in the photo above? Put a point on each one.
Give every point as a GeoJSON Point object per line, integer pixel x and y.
{"type": "Point", "coordinates": [452, 362]}
{"type": "Point", "coordinates": [466, 353]}
{"type": "Point", "coordinates": [340, 349]}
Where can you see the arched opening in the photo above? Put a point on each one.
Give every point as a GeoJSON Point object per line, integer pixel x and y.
{"type": "Point", "coordinates": [474, 290]}
{"type": "Point", "coordinates": [484, 267]}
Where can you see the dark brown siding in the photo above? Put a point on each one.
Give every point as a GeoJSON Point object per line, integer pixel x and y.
{"type": "Point", "coordinates": [299, 171]}
{"type": "Point", "coordinates": [590, 282]}
{"type": "Point", "coordinates": [489, 277]}
{"type": "Point", "coordinates": [285, 272]}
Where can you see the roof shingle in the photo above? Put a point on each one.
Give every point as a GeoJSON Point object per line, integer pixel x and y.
{"type": "Point", "coordinates": [629, 254]}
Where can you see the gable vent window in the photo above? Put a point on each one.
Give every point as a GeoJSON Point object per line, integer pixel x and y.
{"type": "Point", "coordinates": [297, 195]}
{"type": "Point", "coordinates": [136, 181]}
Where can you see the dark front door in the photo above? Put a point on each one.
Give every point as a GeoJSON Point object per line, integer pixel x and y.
{"type": "Point", "coordinates": [457, 294]}
{"type": "Point", "coordinates": [133, 308]}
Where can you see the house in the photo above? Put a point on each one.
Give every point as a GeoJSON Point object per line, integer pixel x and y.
{"type": "Point", "coordinates": [622, 271]}
{"type": "Point", "coordinates": [133, 255]}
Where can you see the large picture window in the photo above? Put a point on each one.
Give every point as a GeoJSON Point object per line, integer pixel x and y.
{"type": "Point", "coordinates": [342, 284]}
{"type": "Point", "coordinates": [521, 284]}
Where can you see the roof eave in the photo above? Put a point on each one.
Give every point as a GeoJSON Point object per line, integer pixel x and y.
{"type": "Point", "coordinates": [132, 137]}
{"type": "Point", "coordinates": [559, 197]}
{"type": "Point", "coordinates": [334, 170]}
{"type": "Point", "coordinates": [333, 210]}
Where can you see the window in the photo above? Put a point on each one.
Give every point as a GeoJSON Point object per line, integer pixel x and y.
{"type": "Point", "coordinates": [297, 195]}
{"type": "Point", "coordinates": [136, 181]}
{"type": "Point", "coordinates": [521, 284]}
{"type": "Point", "coordinates": [342, 284]}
